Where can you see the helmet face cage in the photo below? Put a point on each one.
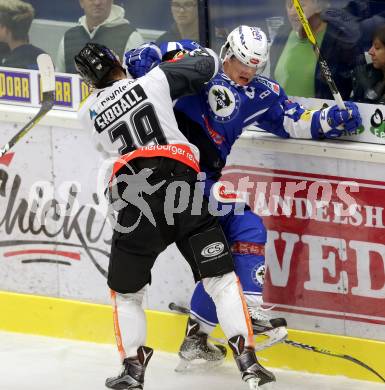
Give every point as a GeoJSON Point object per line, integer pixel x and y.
{"type": "Point", "coordinates": [249, 45]}
{"type": "Point", "coordinates": [94, 62]}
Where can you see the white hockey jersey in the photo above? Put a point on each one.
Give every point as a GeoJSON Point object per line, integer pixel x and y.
{"type": "Point", "coordinates": [135, 118]}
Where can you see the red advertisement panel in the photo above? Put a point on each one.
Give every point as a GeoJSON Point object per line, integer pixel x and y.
{"type": "Point", "coordinates": [326, 245]}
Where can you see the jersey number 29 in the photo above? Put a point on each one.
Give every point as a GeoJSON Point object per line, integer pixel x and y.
{"type": "Point", "coordinates": [146, 127]}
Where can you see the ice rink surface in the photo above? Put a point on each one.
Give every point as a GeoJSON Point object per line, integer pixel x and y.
{"type": "Point", "coordinates": [42, 363]}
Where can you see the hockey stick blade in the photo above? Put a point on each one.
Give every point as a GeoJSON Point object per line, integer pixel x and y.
{"type": "Point", "coordinates": [183, 310]}
{"type": "Point", "coordinates": [47, 74]}
{"type": "Point", "coordinates": [325, 70]}
{"type": "Point", "coordinates": [329, 353]}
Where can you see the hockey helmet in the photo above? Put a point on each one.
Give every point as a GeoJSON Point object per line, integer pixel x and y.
{"type": "Point", "coordinates": [249, 45]}
{"type": "Point", "coordinates": [94, 62]}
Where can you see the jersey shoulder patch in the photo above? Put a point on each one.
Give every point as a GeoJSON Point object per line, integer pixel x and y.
{"type": "Point", "coordinates": [269, 84]}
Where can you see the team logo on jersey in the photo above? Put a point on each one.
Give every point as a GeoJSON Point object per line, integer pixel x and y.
{"type": "Point", "coordinates": [258, 273]}
{"type": "Point", "coordinates": [223, 102]}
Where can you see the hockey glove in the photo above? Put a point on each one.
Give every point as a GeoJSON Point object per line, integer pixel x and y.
{"type": "Point", "coordinates": [184, 45]}
{"type": "Point", "coordinates": [333, 121]}
{"type": "Point", "coordinates": [141, 60]}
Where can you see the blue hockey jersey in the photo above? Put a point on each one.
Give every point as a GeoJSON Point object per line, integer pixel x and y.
{"type": "Point", "coordinates": [224, 109]}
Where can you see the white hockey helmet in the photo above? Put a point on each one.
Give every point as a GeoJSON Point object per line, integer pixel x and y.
{"type": "Point", "coordinates": [249, 45]}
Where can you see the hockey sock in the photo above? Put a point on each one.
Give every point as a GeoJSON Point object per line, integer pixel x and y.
{"type": "Point", "coordinates": [232, 311]}
{"type": "Point", "coordinates": [129, 322]}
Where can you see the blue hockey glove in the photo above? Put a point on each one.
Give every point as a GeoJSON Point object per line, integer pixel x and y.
{"type": "Point", "coordinates": [334, 121]}
{"type": "Point", "coordinates": [141, 60]}
{"type": "Point", "coordinates": [186, 45]}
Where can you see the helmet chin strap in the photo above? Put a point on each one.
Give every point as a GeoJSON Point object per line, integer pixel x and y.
{"type": "Point", "coordinates": [226, 52]}
{"type": "Point", "coordinates": [260, 70]}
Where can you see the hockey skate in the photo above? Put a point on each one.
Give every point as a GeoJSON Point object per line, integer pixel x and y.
{"type": "Point", "coordinates": [196, 353]}
{"type": "Point", "coordinates": [252, 372]}
{"type": "Point", "coordinates": [273, 328]}
{"type": "Point", "coordinates": [132, 375]}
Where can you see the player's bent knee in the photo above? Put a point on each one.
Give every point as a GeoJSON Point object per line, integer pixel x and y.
{"type": "Point", "coordinates": [216, 286]}
{"type": "Point", "coordinates": [135, 298]}
{"type": "Point", "coordinates": [248, 227]}
{"type": "Point", "coordinates": [211, 253]}
{"type": "Point", "coordinates": [125, 288]}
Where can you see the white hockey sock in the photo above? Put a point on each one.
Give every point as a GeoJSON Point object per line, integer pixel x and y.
{"type": "Point", "coordinates": [232, 312]}
{"type": "Point", "coordinates": [129, 322]}
{"type": "Point", "coordinates": [254, 301]}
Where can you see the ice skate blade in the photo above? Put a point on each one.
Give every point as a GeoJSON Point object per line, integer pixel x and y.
{"type": "Point", "coordinates": [253, 383]}
{"type": "Point", "coordinates": [274, 336]}
{"type": "Point", "coordinates": [196, 365]}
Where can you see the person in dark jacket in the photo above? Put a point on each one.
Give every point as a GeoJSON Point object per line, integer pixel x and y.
{"type": "Point", "coordinates": [15, 21]}
{"type": "Point", "coordinates": [369, 79]}
{"type": "Point", "coordinates": [4, 50]}
{"type": "Point", "coordinates": [370, 16]}
{"type": "Point", "coordinates": [103, 22]}
{"type": "Point", "coordinates": [186, 26]}
{"type": "Point", "coordinates": [292, 61]}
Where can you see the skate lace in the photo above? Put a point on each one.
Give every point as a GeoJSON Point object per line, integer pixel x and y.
{"type": "Point", "coordinates": [260, 313]}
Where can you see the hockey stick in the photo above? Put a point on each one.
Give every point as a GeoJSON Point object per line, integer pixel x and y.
{"type": "Point", "coordinates": [184, 310]}
{"type": "Point", "coordinates": [325, 70]}
{"type": "Point", "coordinates": [179, 309]}
{"type": "Point", "coordinates": [338, 355]}
{"type": "Point", "coordinates": [47, 74]}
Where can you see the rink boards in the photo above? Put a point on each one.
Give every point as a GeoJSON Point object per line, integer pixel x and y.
{"type": "Point", "coordinates": [326, 269]}
{"type": "Point", "coordinates": [93, 322]}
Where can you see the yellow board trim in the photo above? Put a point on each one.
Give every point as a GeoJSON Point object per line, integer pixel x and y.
{"type": "Point", "coordinates": [91, 322]}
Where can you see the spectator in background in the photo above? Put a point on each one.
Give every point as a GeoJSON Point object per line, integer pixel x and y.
{"type": "Point", "coordinates": [186, 26]}
{"type": "Point", "coordinates": [15, 21]}
{"type": "Point", "coordinates": [369, 79]}
{"type": "Point", "coordinates": [370, 17]}
{"type": "Point", "coordinates": [4, 50]}
{"type": "Point", "coordinates": [103, 22]}
{"type": "Point", "coordinates": [293, 63]}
